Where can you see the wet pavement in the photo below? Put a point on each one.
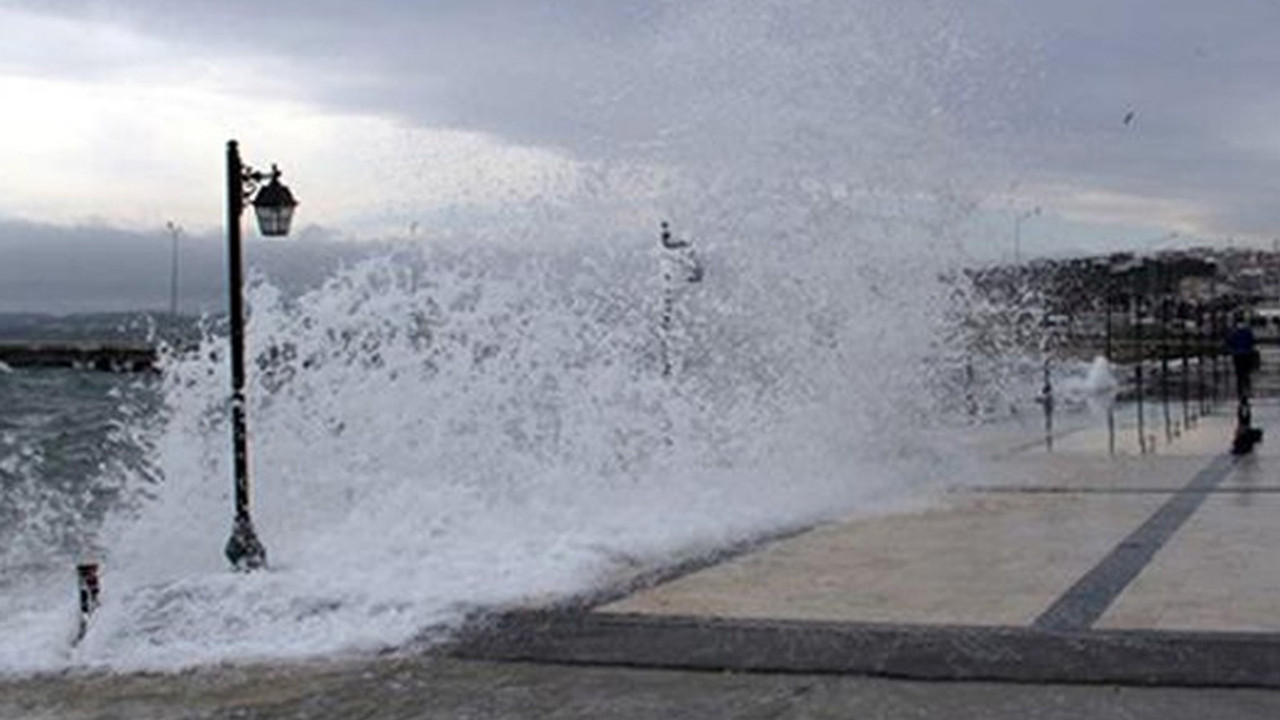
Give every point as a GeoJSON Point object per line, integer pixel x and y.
{"type": "Point", "coordinates": [426, 687]}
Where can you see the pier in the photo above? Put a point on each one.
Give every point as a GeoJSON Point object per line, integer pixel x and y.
{"type": "Point", "coordinates": [115, 357]}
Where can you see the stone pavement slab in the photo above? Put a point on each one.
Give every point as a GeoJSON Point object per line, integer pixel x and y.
{"type": "Point", "coordinates": [1220, 572]}
{"type": "Point", "coordinates": [993, 561]}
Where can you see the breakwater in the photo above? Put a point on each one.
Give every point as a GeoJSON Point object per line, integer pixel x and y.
{"type": "Point", "coordinates": [113, 357]}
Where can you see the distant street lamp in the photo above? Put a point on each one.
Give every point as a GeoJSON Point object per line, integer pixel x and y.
{"type": "Point", "coordinates": [175, 230]}
{"type": "Point", "coordinates": [1017, 231]}
{"type": "Point", "coordinates": [273, 204]}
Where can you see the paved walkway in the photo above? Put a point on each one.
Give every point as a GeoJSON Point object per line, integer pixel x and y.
{"type": "Point", "coordinates": [421, 688]}
{"type": "Point", "coordinates": [1078, 565]}
{"type": "Point", "coordinates": [1004, 552]}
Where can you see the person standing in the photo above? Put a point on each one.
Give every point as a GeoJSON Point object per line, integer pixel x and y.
{"type": "Point", "coordinates": [1244, 355]}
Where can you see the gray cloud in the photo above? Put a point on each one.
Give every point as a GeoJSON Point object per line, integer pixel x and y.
{"type": "Point", "coordinates": [1033, 89]}
{"type": "Point", "coordinates": [1196, 76]}
{"type": "Point", "coordinates": [690, 83]}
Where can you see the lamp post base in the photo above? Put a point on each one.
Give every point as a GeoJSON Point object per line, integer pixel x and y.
{"type": "Point", "coordinates": [244, 550]}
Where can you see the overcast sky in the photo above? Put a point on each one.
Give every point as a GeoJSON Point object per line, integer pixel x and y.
{"type": "Point", "coordinates": [1124, 121]}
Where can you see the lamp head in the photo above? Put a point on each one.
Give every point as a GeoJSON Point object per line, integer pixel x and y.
{"type": "Point", "coordinates": [274, 206]}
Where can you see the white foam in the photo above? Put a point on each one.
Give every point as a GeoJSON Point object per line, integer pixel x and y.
{"type": "Point", "coordinates": [436, 431]}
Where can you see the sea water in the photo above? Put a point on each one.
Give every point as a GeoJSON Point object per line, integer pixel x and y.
{"type": "Point", "coordinates": [74, 448]}
{"type": "Point", "coordinates": [484, 418]}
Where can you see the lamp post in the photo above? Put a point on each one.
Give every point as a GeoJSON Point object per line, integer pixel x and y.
{"type": "Point", "coordinates": [1017, 231]}
{"type": "Point", "coordinates": [273, 204]}
{"type": "Point", "coordinates": [175, 230]}
{"type": "Point", "coordinates": [1046, 391]}
{"type": "Point", "coordinates": [679, 266]}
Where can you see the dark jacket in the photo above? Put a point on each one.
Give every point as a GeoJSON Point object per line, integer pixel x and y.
{"type": "Point", "coordinates": [1240, 341]}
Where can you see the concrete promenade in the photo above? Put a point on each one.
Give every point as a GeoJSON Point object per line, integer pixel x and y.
{"type": "Point", "coordinates": [1090, 581]}
{"type": "Point", "coordinates": [1075, 566]}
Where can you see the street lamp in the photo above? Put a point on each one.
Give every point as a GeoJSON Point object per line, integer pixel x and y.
{"type": "Point", "coordinates": [175, 231]}
{"type": "Point", "coordinates": [273, 204]}
{"type": "Point", "coordinates": [680, 265]}
{"type": "Point", "coordinates": [1017, 231]}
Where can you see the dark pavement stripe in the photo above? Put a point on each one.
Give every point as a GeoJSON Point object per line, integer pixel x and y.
{"type": "Point", "coordinates": [932, 652]}
{"type": "Point", "coordinates": [1081, 606]}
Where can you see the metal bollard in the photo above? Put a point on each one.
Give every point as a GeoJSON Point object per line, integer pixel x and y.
{"type": "Point", "coordinates": [89, 587]}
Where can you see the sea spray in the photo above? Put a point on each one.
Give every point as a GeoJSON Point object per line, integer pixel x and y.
{"type": "Point", "coordinates": [434, 431]}
{"type": "Point", "coordinates": [481, 420]}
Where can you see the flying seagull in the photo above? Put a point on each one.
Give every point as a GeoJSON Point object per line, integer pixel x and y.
{"type": "Point", "coordinates": [1128, 117]}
